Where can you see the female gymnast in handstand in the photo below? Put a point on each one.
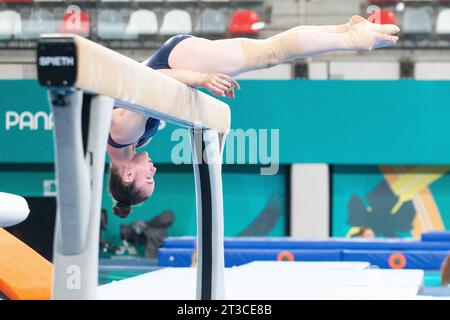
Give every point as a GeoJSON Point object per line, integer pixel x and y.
{"type": "Point", "coordinates": [211, 64]}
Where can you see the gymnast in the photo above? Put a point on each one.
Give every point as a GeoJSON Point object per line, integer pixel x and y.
{"type": "Point", "coordinates": [211, 64]}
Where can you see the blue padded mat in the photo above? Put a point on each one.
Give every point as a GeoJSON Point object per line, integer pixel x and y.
{"type": "Point", "coordinates": [408, 253]}
{"type": "Point", "coordinates": [181, 257]}
{"type": "Point", "coordinates": [329, 244]}
{"type": "Point", "coordinates": [426, 260]}
{"type": "Point", "coordinates": [385, 259]}
{"type": "Point", "coordinates": [436, 236]}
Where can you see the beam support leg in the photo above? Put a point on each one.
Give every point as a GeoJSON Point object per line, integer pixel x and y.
{"type": "Point", "coordinates": [79, 176]}
{"type": "Point", "coordinates": [207, 148]}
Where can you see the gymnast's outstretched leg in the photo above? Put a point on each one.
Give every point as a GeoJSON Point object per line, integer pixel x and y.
{"type": "Point", "coordinates": [234, 56]}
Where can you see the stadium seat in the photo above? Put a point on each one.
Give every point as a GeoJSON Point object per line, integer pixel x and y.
{"type": "Point", "coordinates": [383, 16]}
{"type": "Point", "coordinates": [417, 20]}
{"type": "Point", "coordinates": [176, 22]}
{"type": "Point", "coordinates": [443, 22]}
{"type": "Point", "coordinates": [76, 22]}
{"type": "Point", "coordinates": [40, 21]}
{"type": "Point", "coordinates": [244, 22]}
{"type": "Point", "coordinates": [110, 25]}
{"type": "Point", "coordinates": [10, 24]}
{"type": "Point", "coordinates": [211, 22]}
{"type": "Point", "coordinates": [142, 22]}
{"type": "Point", "coordinates": [383, 1]}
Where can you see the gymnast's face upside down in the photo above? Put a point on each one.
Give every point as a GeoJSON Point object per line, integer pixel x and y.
{"type": "Point", "coordinates": [140, 174]}
{"type": "Point", "coordinates": [131, 182]}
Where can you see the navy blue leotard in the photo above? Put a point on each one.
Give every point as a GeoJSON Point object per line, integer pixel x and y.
{"type": "Point", "coordinates": [159, 60]}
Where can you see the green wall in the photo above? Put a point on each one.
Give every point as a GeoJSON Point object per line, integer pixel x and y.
{"type": "Point", "coordinates": [246, 196]}
{"type": "Point", "coordinates": [27, 162]}
{"type": "Point", "coordinates": [339, 122]}
{"type": "Point", "coordinates": [336, 122]}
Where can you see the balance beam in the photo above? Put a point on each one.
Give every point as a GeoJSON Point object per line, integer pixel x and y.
{"type": "Point", "coordinates": [73, 61]}
{"type": "Point", "coordinates": [73, 68]}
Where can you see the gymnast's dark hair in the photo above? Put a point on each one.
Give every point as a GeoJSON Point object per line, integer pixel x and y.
{"type": "Point", "coordinates": [125, 195]}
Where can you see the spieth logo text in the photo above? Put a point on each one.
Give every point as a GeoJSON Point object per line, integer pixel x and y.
{"type": "Point", "coordinates": [57, 61]}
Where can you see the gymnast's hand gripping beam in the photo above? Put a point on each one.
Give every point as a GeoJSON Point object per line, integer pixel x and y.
{"type": "Point", "coordinates": [73, 68]}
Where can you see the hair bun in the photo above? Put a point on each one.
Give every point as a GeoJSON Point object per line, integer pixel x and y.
{"type": "Point", "coordinates": [122, 210]}
{"type": "Point", "coordinates": [122, 205]}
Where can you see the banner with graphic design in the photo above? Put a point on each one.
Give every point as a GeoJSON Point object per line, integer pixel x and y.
{"type": "Point", "coordinates": [391, 201]}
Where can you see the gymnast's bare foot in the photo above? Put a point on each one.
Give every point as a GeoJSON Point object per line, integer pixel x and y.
{"type": "Point", "coordinates": [364, 35]}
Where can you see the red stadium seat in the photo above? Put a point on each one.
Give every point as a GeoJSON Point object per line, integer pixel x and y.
{"type": "Point", "coordinates": [383, 16]}
{"type": "Point", "coordinates": [244, 22]}
{"type": "Point", "coordinates": [383, 1]}
{"type": "Point", "coordinates": [76, 22]}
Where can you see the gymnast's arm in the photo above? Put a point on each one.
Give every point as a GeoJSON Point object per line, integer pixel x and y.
{"type": "Point", "coordinates": [218, 84]}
